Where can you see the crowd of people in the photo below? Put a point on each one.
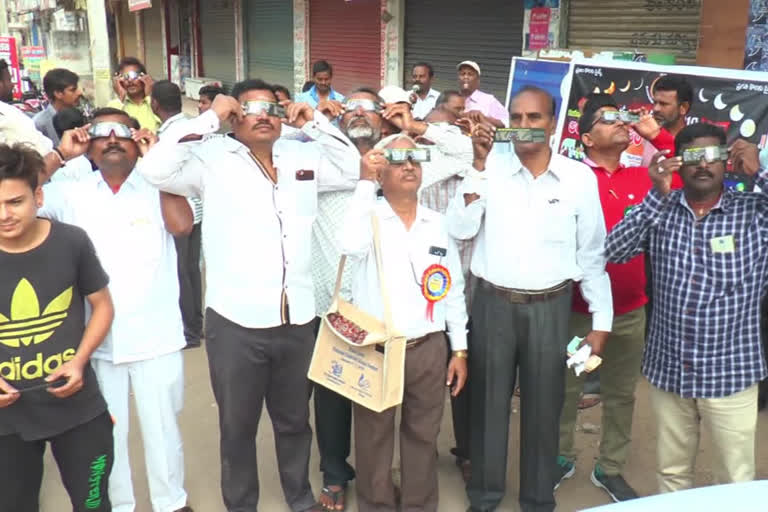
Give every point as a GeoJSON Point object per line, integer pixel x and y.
{"type": "Point", "coordinates": [103, 220]}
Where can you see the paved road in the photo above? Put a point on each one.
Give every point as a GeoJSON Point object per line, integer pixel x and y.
{"type": "Point", "coordinates": [200, 431]}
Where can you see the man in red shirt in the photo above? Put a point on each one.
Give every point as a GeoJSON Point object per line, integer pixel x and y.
{"type": "Point", "coordinates": [672, 101]}
{"type": "Point", "coordinates": [620, 189]}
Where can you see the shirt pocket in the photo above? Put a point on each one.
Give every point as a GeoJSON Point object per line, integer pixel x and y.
{"type": "Point", "coordinates": [729, 271]}
{"type": "Point", "coordinates": [305, 194]}
{"type": "Point", "coordinates": [556, 223]}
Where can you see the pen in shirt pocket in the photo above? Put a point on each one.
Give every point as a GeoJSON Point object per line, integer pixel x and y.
{"type": "Point", "coordinates": [610, 191]}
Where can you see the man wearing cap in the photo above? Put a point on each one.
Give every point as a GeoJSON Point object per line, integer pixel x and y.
{"type": "Point", "coordinates": [477, 101]}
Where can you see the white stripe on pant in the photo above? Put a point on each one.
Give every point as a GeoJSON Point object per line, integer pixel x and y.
{"type": "Point", "coordinates": [158, 388]}
{"type": "Point", "coordinates": [731, 421]}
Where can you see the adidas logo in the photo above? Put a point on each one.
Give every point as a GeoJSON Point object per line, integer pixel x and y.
{"type": "Point", "coordinates": [27, 325]}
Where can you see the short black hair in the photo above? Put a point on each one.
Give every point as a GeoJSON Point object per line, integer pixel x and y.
{"type": "Point", "coordinates": [537, 90]}
{"type": "Point", "coordinates": [21, 162]}
{"type": "Point", "coordinates": [211, 91]}
{"type": "Point", "coordinates": [131, 61]}
{"type": "Point", "coordinates": [67, 119]}
{"type": "Point", "coordinates": [445, 97]}
{"type": "Point", "coordinates": [3, 66]}
{"type": "Point", "coordinates": [109, 111]}
{"type": "Point", "coordinates": [426, 65]}
{"type": "Point", "coordinates": [697, 131]}
{"type": "Point", "coordinates": [167, 95]}
{"type": "Point", "coordinates": [252, 84]}
{"type": "Point", "coordinates": [57, 80]}
{"type": "Point", "coordinates": [594, 103]}
{"type": "Point", "coordinates": [677, 84]}
{"type": "Point", "coordinates": [321, 66]}
{"type": "Point", "coordinates": [283, 89]}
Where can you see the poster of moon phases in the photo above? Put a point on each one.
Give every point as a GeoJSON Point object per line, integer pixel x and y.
{"type": "Point", "coordinates": [739, 104]}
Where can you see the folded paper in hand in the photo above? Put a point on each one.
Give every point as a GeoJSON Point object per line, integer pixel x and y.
{"type": "Point", "coordinates": [582, 359]}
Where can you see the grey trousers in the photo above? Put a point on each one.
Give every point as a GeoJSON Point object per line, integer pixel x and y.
{"type": "Point", "coordinates": [528, 340]}
{"type": "Point", "coordinates": [249, 367]}
{"type": "Point", "coordinates": [190, 284]}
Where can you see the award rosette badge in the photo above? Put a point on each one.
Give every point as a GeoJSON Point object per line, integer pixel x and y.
{"type": "Point", "coordinates": [435, 284]}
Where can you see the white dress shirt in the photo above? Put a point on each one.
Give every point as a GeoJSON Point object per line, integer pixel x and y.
{"type": "Point", "coordinates": [451, 156]}
{"type": "Point", "coordinates": [15, 127]}
{"type": "Point", "coordinates": [138, 254]}
{"type": "Point", "coordinates": [423, 107]}
{"type": "Point", "coordinates": [75, 169]}
{"type": "Point", "coordinates": [405, 255]}
{"type": "Point", "coordinates": [533, 234]}
{"type": "Point", "coordinates": [256, 235]}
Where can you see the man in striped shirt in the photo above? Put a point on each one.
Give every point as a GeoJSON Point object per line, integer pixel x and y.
{"type": "Point", "coordinates": [709, 253]}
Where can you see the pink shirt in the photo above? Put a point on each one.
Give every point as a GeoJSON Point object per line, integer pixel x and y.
{"type": "Point", "coordinates": [488, 105]}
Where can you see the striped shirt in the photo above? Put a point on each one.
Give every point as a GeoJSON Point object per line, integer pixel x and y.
{"type": "Point", "coordinates": [708, 276]}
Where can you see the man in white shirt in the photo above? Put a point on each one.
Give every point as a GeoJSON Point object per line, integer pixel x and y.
{"type": "Point", "coordinates": [166, 104]}
{"type": "Point", "coordinates": [423, 96]}
{"type": "Point", "coordinates": [538, 227]}
{"type": "Point", "coordinates": [415, 247]}
{"type": "Point", "coordinates": [260, 194]}
{"type": "Point", "coordinates": [361, 121]}
{"type": "Point", "coordinates": [131, 226]}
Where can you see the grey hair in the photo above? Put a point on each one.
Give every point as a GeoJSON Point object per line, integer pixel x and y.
{"type": "Point", "coordinates": [386, 141]}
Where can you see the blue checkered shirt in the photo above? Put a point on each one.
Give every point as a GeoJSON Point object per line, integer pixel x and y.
{"type": "Point", "coordinates": [704, 335]}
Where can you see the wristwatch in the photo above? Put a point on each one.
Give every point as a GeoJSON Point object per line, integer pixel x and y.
{"type": "Point", "coordinates": [461, 354]}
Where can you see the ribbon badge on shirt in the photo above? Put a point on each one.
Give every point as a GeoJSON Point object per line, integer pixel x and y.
{"type": "Point", "coordinates": [435, 284]}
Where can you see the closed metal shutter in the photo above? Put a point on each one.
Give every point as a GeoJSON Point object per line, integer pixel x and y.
{"type": "Point", "coordinates": [646, 26]}
{"type": "Point", "coordinates": [217, 34]}
{"type": "Point", "coordinates": [269, 36]}
{"type": "Point", "coordinates": [446, 32]}
{"type": "Point", "coordinates": [348, 36]}
{"type": "Point", "coordinates": [153, 42]}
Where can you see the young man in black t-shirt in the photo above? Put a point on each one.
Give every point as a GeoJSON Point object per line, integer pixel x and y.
{"type": "Point", "coordinates": [48, 391]}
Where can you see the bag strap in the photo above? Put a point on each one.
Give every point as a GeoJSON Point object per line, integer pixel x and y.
{"type": "Point", "coordinates": [380, 270]}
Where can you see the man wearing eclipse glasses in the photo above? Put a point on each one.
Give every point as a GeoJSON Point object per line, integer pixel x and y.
{"type": "Point", "coordinates": [133, 87]}
{"type": "Point", "coordinates": [361, 117]}
{"type": "Point", "coordinates": [703, 355]}
{"type": "Point", "coordinates": [260, 196]}
{"type": "Point", "coordinates": [132, 228]}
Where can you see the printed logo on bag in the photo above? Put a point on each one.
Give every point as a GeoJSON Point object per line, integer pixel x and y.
{"type": "Point", "coordinates": [336, 368]}
{"type": "Point", "coordinates": [363, 383]}
{"type": "Point", "coordinates": [27, 326]}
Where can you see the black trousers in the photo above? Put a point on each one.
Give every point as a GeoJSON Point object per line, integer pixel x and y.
{"type": "Point", "coordinates": [248, 368]}
{"type": "Point", "coordinates": [190, 284]}
{"type": "Point", "coordinates": [333, 428]}
{"type": "Point", "coordinates": [511, 340]}
{"type": "Point", "coordinates": [84, 455]}
{"type": "Point", "coordinates": [460, 412]}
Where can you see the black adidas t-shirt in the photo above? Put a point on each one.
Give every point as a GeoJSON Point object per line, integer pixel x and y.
{"type": "Point", "coordinates": [42, 320]}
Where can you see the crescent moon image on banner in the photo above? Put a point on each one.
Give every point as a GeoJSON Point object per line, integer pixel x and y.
{"type": "Point", "coordinates": [701, 96]}
{"type": "Point", "coordinates": [611, 88]}
{"type": "Point", "coordinates": [736, 114]}
{"type": "Point", "coordinates": [748, 128]}
{"type": "Point", "coordinates": [719, 105]}
{"type": "Point", "coordinates": [626, 87]}
{"type": "Point", "coordinates": [642, 83]}
{"type": "Point", "coordinates": [649, 90]}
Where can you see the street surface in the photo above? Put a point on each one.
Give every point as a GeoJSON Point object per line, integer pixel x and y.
{"type": "Point", "coordinates": [199, 427]}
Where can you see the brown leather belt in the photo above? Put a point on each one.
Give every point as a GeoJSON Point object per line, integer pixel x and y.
{"type": "Point", "coordinates": [415, 341]}
{"type": "Point", "coordinates": [518, 296]}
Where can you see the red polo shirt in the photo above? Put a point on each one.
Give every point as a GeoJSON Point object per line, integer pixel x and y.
{"type": "Point", "coordinates": [619, 191]}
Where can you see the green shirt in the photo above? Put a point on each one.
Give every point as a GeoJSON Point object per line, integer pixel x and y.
{"type": "Point", "coordinates": [142, 112]}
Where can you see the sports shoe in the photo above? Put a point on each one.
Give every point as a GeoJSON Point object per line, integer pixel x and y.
{"type": "Point", "coordinates": [565, 469]}
{"type": "Point", "coordinates": [616, 487]}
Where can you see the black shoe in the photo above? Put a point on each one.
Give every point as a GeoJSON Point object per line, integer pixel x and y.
{"type": "Point", "coordinates": [616, 487]}
{"type": "Point", "coordinates": [565, 470]}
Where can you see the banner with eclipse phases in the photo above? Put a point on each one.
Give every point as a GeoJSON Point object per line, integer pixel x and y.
{"type": "Point", "coordinates": [737, 100]}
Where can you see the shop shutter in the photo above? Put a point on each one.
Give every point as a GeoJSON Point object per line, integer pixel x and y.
{"type": "Point", "coordinates": [217, 33]}
{"type": "Point", "coordinates": [646, 26]}
{"type": "Point", "coordinates": [153, 42]}
{"type": "Point", "coordinates": [446, 32]}
{"type": "Point", "coordinates": [348, 35]}
{"type": "Point", "coordinates": [269, 36]}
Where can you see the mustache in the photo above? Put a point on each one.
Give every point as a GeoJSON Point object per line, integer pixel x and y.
{"type": "Point", "coordinates": [259, 124]}
{"type": "Point", "coordinates": [703, 173]}
{"type": "Point", "coordinates": [114, 147]}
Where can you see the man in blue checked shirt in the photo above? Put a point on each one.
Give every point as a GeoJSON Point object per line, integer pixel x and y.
{"type": "Point", "coordinates": [709, 251]}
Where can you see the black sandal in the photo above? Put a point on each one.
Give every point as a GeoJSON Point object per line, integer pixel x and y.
{"type": "Point", "coordinates": [337, 498]}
